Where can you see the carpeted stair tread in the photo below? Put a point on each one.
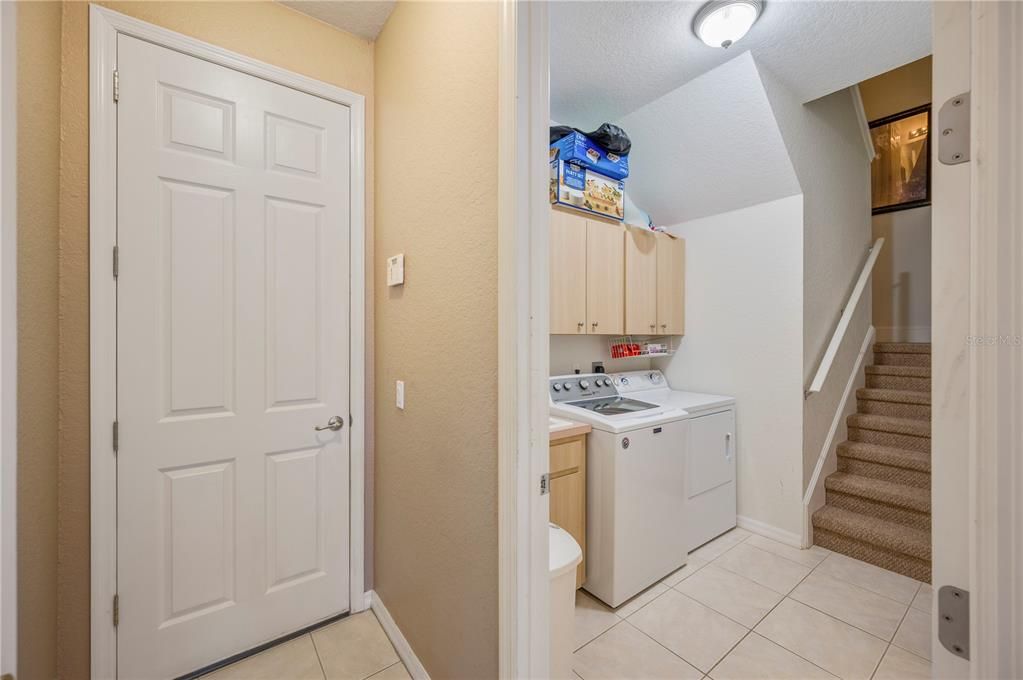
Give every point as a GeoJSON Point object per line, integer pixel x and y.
{"type": "Point", "coordinates": [886, 455]}
{"type": "Point", "coordinates": [898, 495]}
{"type": "Point", "coordinates": [901, 371]}
{"type": "Point", "coordinates": [902, 347]}
{"type": "Point", "coordinates": [894, 396]}
{"type": "Point", "coordinates": [906, 426]}
{"type": "Point", "coordinates": [896, 538]}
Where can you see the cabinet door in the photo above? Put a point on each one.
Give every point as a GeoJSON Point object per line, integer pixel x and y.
{"type": "Point", "coordinates": [568, 273]}
{"type": "Point", "coordinates": [568, 493]}
{"type": "Point", "coordinates": [605, 278]}
{"type": "Point", "coordinates": [640, 282]}
{"type": "Point", "coordinates": [671, 285]}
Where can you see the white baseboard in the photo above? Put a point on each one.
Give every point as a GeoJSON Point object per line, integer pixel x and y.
{"type": "Point", "coordinates": [827, 459]}
{"type": "Point", "coordinates": [401, 645]}
{"type": "Point", "coordinates": [768, 531]}
{"type": "Point", "coordinates": [903, 333]}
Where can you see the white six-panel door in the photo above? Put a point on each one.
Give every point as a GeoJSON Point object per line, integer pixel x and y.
{"type": "Point", "coordinates": [232, 346]}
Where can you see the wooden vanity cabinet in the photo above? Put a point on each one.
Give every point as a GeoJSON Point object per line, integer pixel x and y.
{"type": "Point", "coordinates": [568, 492]}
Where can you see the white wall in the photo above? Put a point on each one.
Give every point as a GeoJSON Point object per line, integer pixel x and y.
{"type": "Point", "coordinates": [571, 352]}
{"type": "Point", "coordinates": [902, 277]}
{"type": "Point", "coordinates": [744, 337]}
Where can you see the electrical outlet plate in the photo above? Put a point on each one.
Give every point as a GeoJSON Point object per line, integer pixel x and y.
{"type": "Point", "coordinates": [399, 394]}
{"type": "Point", "coordinates": [396, 270]}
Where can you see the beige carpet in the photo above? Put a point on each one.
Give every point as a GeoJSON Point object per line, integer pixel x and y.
{"type": "Point", "coordinates": [879, 502]}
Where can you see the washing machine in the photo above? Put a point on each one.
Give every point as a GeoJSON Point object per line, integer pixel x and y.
{"type": "Point", "coordinates": [635, 484]}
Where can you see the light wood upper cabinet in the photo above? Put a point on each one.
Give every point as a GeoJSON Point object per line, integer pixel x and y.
{"type": "Point", "coordinates": [568, 273]}
{"type": "Point", "coordinates": [641, 250]}
{"type": "Point", "coordinates": [671, 285]}
{"type": "Point", "coordinates": [605, 277]}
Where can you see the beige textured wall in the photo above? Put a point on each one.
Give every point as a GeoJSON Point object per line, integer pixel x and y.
{"type": "Point", "coordinates": [902, 277]}
{"type": "Point", "coordinates": [436, 461]}
{"type": "Point", "coordinates": [897, 90]}
{"type": "Point", "coordinates": [38, 218]}
{"type": "Point", "coordinates": [54, 291]}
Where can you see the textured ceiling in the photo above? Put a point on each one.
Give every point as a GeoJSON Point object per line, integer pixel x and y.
{"type": "Point", "coordinates": [696, 153]}
{"type": "Point", "coordinates": [363, 18]}
{"type": "Point", "coordinates": [610, 58]}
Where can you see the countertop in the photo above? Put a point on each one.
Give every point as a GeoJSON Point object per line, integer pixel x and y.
{"type": "Point", "coordinates": [563, 429]}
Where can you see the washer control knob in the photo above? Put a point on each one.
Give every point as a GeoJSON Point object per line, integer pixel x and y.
{"type": "Point", "coordinates": [566, 386]}
{"type": "Point", "coordinates": [557, 387]}
{"type": "Point", "coordinates": [655, 377]}
{"type": "Point", "coordinates": [599, 382]}
{"type": "Point", "coordinates": [584, 384]}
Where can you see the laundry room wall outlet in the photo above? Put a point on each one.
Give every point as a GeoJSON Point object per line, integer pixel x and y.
{"type": "Point", "coordinates": [396, 270]}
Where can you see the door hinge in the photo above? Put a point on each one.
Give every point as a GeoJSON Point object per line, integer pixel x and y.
{"type": "Point", "coordinates": [117, 610]}
{"type": "Point", "coordinates": [117, 86]}
{"type": "Point", "coordinates": [117, 261]}
{"type": "Point", "coordinates": [954, 124]}
{"type": "Point", "coordinates": [954, 620]}
{"type": "Point", "coordinates": [116, 433]}
{"type": "Point", "coordinates": [545, 483]}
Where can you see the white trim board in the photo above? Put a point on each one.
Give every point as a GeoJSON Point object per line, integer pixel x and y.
{"type": "Point", "coordinates": [826, 460]}
{"type": "Point", "coordinates": [523, 359]}
{"type": "Point", "coordinates": [405, 652]}
{"type": "Point", "coordinates": [8, 340]}
{"type": "Point", "coordinates": [104, 27]}
{"type": "Point", "coordinates": [768, 531]}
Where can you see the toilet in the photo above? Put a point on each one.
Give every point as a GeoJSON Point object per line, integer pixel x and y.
{"type": "Point", "coordinates": [565, 555]}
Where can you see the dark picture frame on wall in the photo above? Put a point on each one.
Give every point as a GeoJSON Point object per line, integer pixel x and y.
{"type": "Point", "coordinates": [900, 174]}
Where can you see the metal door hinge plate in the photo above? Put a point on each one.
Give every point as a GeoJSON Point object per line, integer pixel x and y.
{"type": "Point", "coordinates": [545, 483]}
{"type": "Point", "coordinates": [117, 261]}
{"type": "Point", "coordinates": [117, 610]}
{"type": "Point", "coordinates": [116, 435]}
{"type": "Point", "coordinates": [117, 86]}
{"type": "Point", "coordinates": [954, 620]}
{"type": "Point", "coordinates": [954, 130]}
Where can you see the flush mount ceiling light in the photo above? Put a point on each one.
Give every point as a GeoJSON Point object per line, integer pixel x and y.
{"type": "Point", "coordinates": [720, 23]}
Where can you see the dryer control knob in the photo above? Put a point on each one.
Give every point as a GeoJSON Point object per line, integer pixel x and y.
{"type": "Point", "coordinates": [584, 384]}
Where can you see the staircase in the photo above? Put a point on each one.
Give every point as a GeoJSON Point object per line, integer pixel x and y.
{"type": "Point", "coordinates": [878, 506]}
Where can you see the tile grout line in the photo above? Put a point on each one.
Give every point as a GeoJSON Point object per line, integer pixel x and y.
{"type": "Point", "coordinates": [904, 615]}
{"type": "Point", "coordinates": [316, 650]}
{"type": "Point", "coordinates": [869, 590]}
{"type": "Point", "coordinates": [753, 629]}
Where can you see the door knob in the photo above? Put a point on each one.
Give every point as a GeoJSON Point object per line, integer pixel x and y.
{"type": "Point", "coordinates": [335, 423]}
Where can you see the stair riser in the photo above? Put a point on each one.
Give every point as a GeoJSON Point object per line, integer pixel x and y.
{"type": "Point", "coordinates": [891, 439]}
{"type": "Point", "coordinates": [898, 382]}
{"type": "Point", "coordinates": [886, 559]}
{"type": "Point", "coordinates": [871, 508]}
{"type": "Point", "coordinates": [894, 409]}
{"type": "Point", "coordinates": [901, 359]}
{"type": "Point", "coordinates": [888, 473]}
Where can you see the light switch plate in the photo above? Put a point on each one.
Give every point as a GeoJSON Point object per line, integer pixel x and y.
{"type": "Point", "coordinates": [399, 394]}
{"type": "Point", "coordinates": [396, 270]}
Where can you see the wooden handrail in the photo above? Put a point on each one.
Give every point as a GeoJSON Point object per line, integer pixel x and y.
{"type": "Point", "coordinates": [843, 323]}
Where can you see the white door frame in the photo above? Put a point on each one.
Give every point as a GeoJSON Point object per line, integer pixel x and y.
{"type": "Point", "coordinates": [8, 340]}
{"type": "Point", "coordinates": [104, 27]}
{"type": "Point", "coordinates": [996, 360]}
{"type": "Point", "coordinates": [523, 339]}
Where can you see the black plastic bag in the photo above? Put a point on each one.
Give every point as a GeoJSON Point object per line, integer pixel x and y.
{"type": "Point", "coordinates": [611, 138]}
{"type": "Point", "coordinates": [608, 137]}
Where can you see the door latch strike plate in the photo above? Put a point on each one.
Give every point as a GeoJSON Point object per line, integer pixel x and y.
{"type": "Point", "coordinates": [954, 620]}
{"type": "Point", "coordinates": [545, 483]}
{"type": "Point", "coordinates": [954, 130]}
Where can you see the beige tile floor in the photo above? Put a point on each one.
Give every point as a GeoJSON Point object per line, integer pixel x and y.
{"type": "Point", "coordinates": [354, 648]}
{"type": "Point", "coordinates": [747, 607]}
